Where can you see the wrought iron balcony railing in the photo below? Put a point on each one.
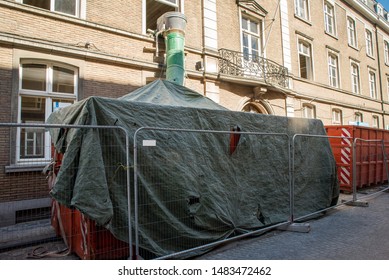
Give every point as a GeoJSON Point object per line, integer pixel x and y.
{"type": "Point", "coordinates": [253, 67]}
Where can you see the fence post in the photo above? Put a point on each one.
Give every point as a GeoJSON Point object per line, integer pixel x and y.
{"type": "Point", "coordinates": [385, 159]}
{"type": "Point", "coordinates": [354, 201]}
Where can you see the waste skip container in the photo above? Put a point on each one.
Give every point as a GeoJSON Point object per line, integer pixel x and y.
{"type": "Point", "coordinates": [82, 235]}
{"type": "Point", "coordinates": [370, 166]}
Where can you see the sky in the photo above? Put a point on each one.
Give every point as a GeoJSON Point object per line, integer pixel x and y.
{"type": "Point", "coordinates": [385, 3]}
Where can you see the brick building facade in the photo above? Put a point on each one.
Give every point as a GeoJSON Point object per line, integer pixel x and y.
{"type": "Point", "coordinates": [325, 59]}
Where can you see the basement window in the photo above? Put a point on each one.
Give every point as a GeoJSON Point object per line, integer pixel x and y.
{"type": "Point", "coordinates": [23, 216]}
{"type": "Point", "coordinates": [153, 9]}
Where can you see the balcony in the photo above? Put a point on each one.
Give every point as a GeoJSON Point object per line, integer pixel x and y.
{"type": "Point", "coordinates": [252, 67]}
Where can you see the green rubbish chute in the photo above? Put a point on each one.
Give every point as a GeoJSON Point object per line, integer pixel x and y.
{"type": "Point", "coordinates": [173, 25]}
{"type": "Point", "coordinates": [175, 69]}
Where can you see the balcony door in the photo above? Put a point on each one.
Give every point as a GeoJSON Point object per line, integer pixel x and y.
{"type": "Point", "coordinates": [251, 39]}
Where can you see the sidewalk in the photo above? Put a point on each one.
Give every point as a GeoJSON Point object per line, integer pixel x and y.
{"type": "Point", "coordinates": [343, 233]}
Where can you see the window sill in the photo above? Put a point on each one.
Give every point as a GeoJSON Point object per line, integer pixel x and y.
{"type": "Point", "coordinates": [16, 168]}
{"type": "Point", "coordinates": [331, 35]}
{"type": "Point", "coordinates": [353, 47]}
{"type": "Point", "coordinates": [303, 20]}
{"type": "Point", "coordinates": [370, 56]}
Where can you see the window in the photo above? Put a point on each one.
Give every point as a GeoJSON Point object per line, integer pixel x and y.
{"type": "Point", "coordinates": [386, 52]}
{"type": "Point", "coordinates": [329, 18]}
{"type": "Point", "coordinates": [376, 122]}
{"type": "Point", "coordinates": [369, 43]}
{"type": "Point", "coordinates": [69, 7]}
{"type": "Point", "coordinates": [387, 86]}
{"type": "Point", "coordinates": [351, 31]}
{"type": "Point", "coordinates": [302, 9]}
{"type": "Point", "coordinates": [372, 85]}
{"type": "Point", "coordinates": [305, 61]}
{"type": "Point", "coordinates": [153, 9]}
{"type": "Point", "coordinates": [254, 107]}
{"type": "Point", "coordinates": [358, 117]}
{"type": "Point", "coordinates": [308, 111]}
{"type": "Point", "coordinates": [44, 87]}
{"type": "Point", "coordinates": [251, 40]}
{"type": "Point", "coordinates": [337, 116]}
{"type": "Point", "coordinates": [333, 71]}
{"type": "Point", "coordinates": [379, 10]}
{"type": "Point", "coordinates": [355, 81]}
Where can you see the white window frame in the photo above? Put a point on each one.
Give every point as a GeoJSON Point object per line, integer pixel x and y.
{"type": "Point", "coordinates": [369, 42]}
{"type": "Point", "coordinates": [386, 52]}
{"type": "Point", "coordinates": [252, 36]}
{"type": "Point", "coordinates": [49, 95]}
{"type": "Point", "coordinates": [376, 121]}
{"type": "Point", "coordinates": [329, 18]}
{"type": "Point", "coordinates": [387, 86]}
{"type": "Point", "coordinates": [355, 77]}
{"type": "Point", "coordinates": [337, 116]}
{"type": "Point", "coordinates": [351, 32]}
{"type": "Point", "coordinates": [170, 3]}
{"type": "Point", "coordinates": [79, 13]}
{"type": "Point", "coordinates": [379, 9]}
{"type": "Point", "coordinates": [302, 9]}
{"type": "Point", "coordinates": [333, 69]}
{"type": "Point", "coordinates": [309, 56]}
{"type": "Point", "coordinates": [358, 117]}
{"type": "Point", "coordinates": [309, 111]}
{"type": "Point", "coordinates": [372, 84]}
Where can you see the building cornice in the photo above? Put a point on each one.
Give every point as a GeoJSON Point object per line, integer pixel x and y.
{"type": "Point", "coordinates": [74, 20]}
{"type": "Point", "coordinates": [369, 14]}
{"type": "Point", "coordinates": [73, 51]}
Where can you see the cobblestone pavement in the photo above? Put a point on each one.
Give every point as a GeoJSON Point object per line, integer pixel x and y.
{"type": "Point", "coordinates": [343, 233]}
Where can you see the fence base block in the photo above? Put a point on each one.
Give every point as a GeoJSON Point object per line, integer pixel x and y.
{"type": "Point", "coordinates": [305, 227]}
{"type": "Point", "coordinates": [356, 203]}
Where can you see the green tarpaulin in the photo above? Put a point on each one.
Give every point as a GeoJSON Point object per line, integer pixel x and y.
{"type": "Point", "coordinates": [194, 188]}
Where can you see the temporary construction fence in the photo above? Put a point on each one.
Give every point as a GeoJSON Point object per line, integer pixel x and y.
{"type": "Point", "coordinates": [192, 225]}
{"type": "Point", "coordinates": [31, 165]}
{"type": "Point", "coordinates": [190, 201]}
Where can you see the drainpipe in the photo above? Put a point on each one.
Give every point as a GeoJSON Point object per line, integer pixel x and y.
{"type": "Point", "coordinates": [173, 24]}
{"type": "Point", "coordinates": [380, 76]}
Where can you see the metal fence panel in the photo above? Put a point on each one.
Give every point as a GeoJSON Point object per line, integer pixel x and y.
{"type": "Point", "coordinates": [29, 166]}
{"type": "Point", "coordinates": [314, 177]}
{"type": "Point", "coordinates": [191, 190]}
{"type": "Point", "coordinates": [201, 196]}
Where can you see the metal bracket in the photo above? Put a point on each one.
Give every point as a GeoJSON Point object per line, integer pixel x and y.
{"type": "Point", "coordinates": [305, 227]}
{"type": "Point", "coordinates": [356, 203]}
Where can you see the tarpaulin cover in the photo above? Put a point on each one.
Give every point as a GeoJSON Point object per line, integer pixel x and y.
{"type": "Point", "coordinates": [194, 188]}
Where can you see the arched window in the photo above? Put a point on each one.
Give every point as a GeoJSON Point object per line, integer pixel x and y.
{"type": "Point", "coordinates": [254, 107]}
